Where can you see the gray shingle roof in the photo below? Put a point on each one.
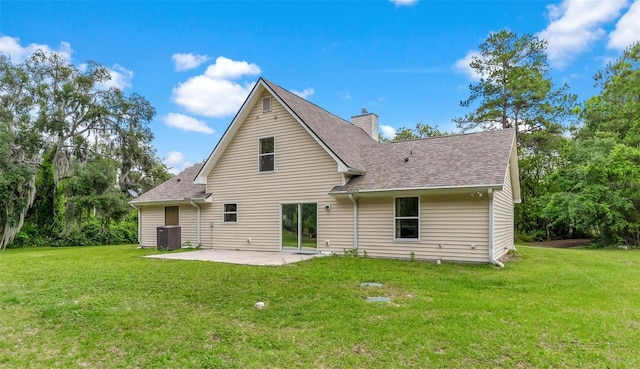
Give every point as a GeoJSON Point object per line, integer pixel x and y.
{"type": "Point", "coordinates": [178, 188]}
{"type": "Point", "coordinates": [466, 160]}
{"type": "Point", "coordinates": [344, 139]}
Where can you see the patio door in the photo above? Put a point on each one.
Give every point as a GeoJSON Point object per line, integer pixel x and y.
{"type": "Point", "coordinates": [299, 226]}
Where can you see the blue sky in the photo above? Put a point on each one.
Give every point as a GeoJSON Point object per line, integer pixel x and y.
{"type": "Point", "coordinates": [404, 60]}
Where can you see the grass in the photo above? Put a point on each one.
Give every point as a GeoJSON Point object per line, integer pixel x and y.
{"type": "Point", "coordinates": [106, 307]}
{"type": "Point", "coordinates": [290, 239]}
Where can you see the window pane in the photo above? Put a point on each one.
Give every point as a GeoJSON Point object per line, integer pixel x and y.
{"type": "Point", "coordinates": [266, 145]}
{"type": "Point", "coordinates": [231, 217]}
{"type": "Point", "coordinates": [266, 163]}
{"type": "Point", "coordinates": [406, 228]}
{"type": "Point", "coordinates": [230, 207]}
{"type": "Point", "coordinates": [406, 206]}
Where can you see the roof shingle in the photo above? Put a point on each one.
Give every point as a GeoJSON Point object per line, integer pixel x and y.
{"type": "Point", "coordinates": [465, 160]}
{"type": "Point", "coordinates": [178, 188]}
{"type": "Point", "coordinates": [344, 139]}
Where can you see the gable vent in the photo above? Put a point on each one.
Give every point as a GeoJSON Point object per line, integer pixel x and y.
{"type": "Point", "coordinates": [266, 104]}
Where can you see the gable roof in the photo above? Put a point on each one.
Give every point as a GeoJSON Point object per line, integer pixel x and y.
{"type": "Point", "coordinates": [457, 161]}
{"type": "Point", "coordinates": [341, 139]}
{"type": "Point", "coordinates": [180, 188]}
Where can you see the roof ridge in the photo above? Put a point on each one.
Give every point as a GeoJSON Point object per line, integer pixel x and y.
{"type": "Point", "coordinates": [305, 100]}
{"type": "Point", "coordinates": [492, 131]}
{"type": "Point", "coordinates": [340, 137]}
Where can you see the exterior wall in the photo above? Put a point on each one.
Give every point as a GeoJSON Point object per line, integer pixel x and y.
{"type": "Point", "coordinates": [304, 172]}
{"type": "Point", "coordinates": [189, 224]}
{"type": "Point", "coordinates": [150, 217]}
{"type": "Point", "coordinates": [503, 233]}
{"type": "Point", "coordinates": [449, 226]}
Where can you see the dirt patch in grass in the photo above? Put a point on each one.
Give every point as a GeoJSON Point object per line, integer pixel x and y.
{"type": "Point", "coordinates": [562, 244]}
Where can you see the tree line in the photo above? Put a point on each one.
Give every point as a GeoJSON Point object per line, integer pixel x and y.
{"type": "Point", "coordinates": [72, 153]}
{"type": "Point", "coordinates": [579, 162]}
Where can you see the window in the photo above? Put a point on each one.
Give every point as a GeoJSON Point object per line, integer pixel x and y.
{"type": "Point", "coordinates": [266, 104]}
{"type": "Point", "coordinates": [407, 218]}
{"type": "Point", "coordinates": [230, 213]}
{"type": "Point", "coordinates": [171, 215]}
{"type": "Point", "coordinates": [266, 158]}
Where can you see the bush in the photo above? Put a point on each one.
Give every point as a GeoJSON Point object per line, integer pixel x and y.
{"type": "Point", "coordinates": [92, 232]}
{"type": "Point", "coordinates": [30, 236]}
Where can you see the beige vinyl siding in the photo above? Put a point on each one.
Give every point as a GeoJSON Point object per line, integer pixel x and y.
{"type": "Point", "coordinates": [188, 224]}
{"type": "Point", "coordinates": [449, 226]}
{"type": "Point", "coordinates": [503, 237]}
{"type": "Point", "coordinates": [150, 217]}
{"type": "Point", "coordinates": [304, 172]}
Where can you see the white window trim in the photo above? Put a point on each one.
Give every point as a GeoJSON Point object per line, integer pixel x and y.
{"type": "Point", "coordinates": [261, 155]}
{"type": "Point", "coordinates": [229, 212]}
{"type": "Point", "coordinates": [299, 203]}
{"type": "Point", "coordinates": [395, 218]}
{"type": "Point", "coordinates": [267, 98]}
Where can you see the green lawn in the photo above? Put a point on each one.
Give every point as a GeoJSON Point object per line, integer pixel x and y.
{"type": "Point", "coordinates": [106, 307]}
{"type": "Point", "coordinates": [290, 239]}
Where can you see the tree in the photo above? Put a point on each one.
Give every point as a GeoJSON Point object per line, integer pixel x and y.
{"type": "Point", "coordinates": [421, 131]}
{"type": "Point", "coordinates": [68, 105]}
{"type": "Point", "coordinates": [599, 188]}
{"type": "Point", "coordinates": [19, 150]}
{"type": "Point", "coordinates": [617, 108]}
{"type": "Point", "coordinates": [56, 117]}
{"type": "Point", "coordinates": [130, 138]}
{"type": "Point", "coordinates": [514, 89]}
{"type": "Point", "coordinates": [92, 192]}
{"type": "Point", "coordinates": [17, 184]}
{"type": "Point", "coordinates": [601, 191]}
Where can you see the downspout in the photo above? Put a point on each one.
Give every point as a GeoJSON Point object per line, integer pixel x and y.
{"type": "Point", "coordinates": [491, 258]}
{"type": "Point", "coordinates": [139, 222]}
{"type": "Point", "coordinates": [355, 221]}
{"type": "Point", "coordinates": [197, 222]}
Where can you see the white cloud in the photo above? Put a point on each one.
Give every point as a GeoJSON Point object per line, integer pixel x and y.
{"type": "Point", "coordinates": [304, 93]}
{"type": "Point", "coordinates": [627, 29]}
{"type": "Point", "coordinates": [186, 123]}
{"type": "Point", "coordinates": [225, 68]}
{"type": "Point", "coordinates": [463, 65]}
{"type": "Point", "coordinates": [120, 77]}
{"type": "Point", "coordinates": [176, 162]}
{"type": "Point", "coordinates": [575, 25]}
{"type": "Point", "coordinates": [404, 2]}
{"type": "Point", "coordinates": [188, 61]}
{"type": "Point", "coordinates": [18, 53]}
{"type": "Point", "coordinates": [387, 131]}
{"type": "Point", "coordinates": [216, 93]}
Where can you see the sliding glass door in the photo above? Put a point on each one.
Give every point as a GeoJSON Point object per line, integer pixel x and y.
{"type": "Point", "coordinates": [299, 226]}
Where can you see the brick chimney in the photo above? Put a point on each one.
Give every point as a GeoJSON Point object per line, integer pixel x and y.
{"type": "Point", "coordinates": [368, 122]}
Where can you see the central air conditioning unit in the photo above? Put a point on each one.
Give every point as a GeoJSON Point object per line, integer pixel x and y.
{"type": "Point", "coordinates": [169, 238]}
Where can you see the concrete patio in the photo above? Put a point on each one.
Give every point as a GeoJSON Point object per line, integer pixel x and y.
{"type": "Point", "coordinates": [238, 257]}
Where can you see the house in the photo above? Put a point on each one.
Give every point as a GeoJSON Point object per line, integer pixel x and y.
{"type": "Point", "coordinates": [289, 176]}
